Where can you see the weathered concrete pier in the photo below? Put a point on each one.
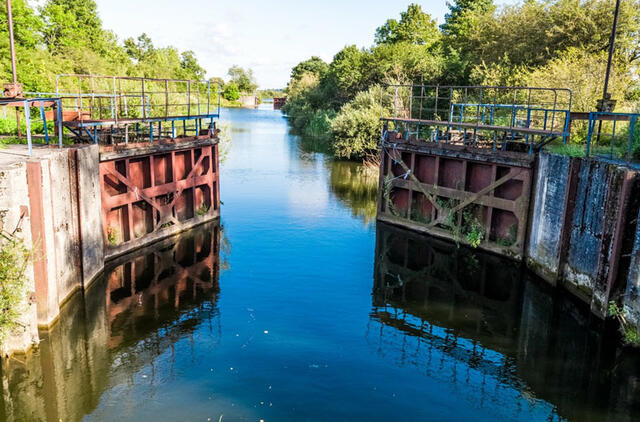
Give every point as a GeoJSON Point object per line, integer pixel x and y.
{"type": "Point", "coordinates": [467, 164]}
{"type": "Point", "coordinates": [124, 182]}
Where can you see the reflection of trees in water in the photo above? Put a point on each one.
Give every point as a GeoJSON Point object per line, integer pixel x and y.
{"type": "Point", "coordinates": [356, 186]}
{"type": "Point", "coordinates": [144, 304]}
{"type": "Point", "coordinates": [485, 330]}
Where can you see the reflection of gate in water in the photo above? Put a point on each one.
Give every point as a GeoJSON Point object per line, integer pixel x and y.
{"type": "Point", "coordinates": [452, 313]}
{"type": "Point", "coordinates": [173, 281]}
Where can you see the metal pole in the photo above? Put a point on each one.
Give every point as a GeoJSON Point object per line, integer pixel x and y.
{"type": "Point", "coordinates": [11, 44]}
{"type": "Point", "coordinates": [611, 47]}
{"type": "Point", "coordinates": [13, 60]}
{"type": "Point", "coordinates": [605, 95]}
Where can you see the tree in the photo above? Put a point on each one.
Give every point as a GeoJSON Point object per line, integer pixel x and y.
{"type": "Point", "coordinates": [73, 23]}
{"type": "Point", "coordinates": [415, 27]}
{"type": "Point", "coordinates": [460, 14]}
{"type": "Point", "coordinates": [314, 65]}
{"type": "Point", "coordinates": [231, 92]}
{"type": "Point", "coordinates": [140, 49]}
{"type": "Point", "coordinates": [190, 67]}
{"type": "Point", "coordinates": [243, 78]}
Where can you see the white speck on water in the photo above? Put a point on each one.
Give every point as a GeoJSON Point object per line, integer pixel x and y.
{"type": "Point", "coordinates": [266, 331]}
{"type": "Point", "coordinates": [314, 366]}
{"type": "Point", "coordinates": [144, 376]}
{"type": "Point", "coordinates": [231, 369]}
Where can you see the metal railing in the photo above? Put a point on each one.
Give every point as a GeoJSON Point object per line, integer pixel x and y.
{"type": "Point", "coordinates": [481, 116]}
{"type": "Point", "coordinates": [129, 98]}
{"type": "Point", "coordinates": [613, 135]}
{"type": "Point", "coordinates": [39, 104]}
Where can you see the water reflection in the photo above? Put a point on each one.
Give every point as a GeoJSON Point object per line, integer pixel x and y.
{"type": "Point", "coordinates": [141, 307]}
{"type": "Point", "coordinates": [494, 336]}
{"type": "Point", "coordinates": [356, 186]}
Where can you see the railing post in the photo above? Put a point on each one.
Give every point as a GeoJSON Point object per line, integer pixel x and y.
{"type": "Point", "coordinates": [59, 114]}
{"type": "Point", "coordinates": [27, 118]}
{"type": "Point", "coordinates": [44, 122]}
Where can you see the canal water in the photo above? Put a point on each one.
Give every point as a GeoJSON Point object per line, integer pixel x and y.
{"type": "Point", "coordinates": [300, 308]}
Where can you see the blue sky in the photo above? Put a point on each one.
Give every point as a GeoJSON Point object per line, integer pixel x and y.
{"type": "Point", "coordinates": [269, 36]}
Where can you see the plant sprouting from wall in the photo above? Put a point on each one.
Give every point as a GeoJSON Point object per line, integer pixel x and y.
{"type": "Point", "coordinates": [630, 334]}
{"type": "Point", "coordinates": [14, 258]}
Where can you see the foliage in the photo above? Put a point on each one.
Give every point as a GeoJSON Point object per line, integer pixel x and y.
{"type": "Point", "coordinates": [66, 36]}
{"type": "Point", "coordinates": [14, 258]}
{"type": "Point", "coordinates": [630, 334]}
{"type": "Point", "coordinates": [414, 26]}
{"type": "Point", "coordinates": [356, 128]}
{"type": "Point", "coordinates": [542, 43]}
{"type": "Point", "coordinates": [231, 92]}
{"type": "Point", "coordinates": [243, 78]}
{"type": "Point", "coordinates": [314, 65]}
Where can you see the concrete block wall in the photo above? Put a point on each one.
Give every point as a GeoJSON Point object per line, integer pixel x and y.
{"type": "Point", "coordinates": [546, 221]}
{"type": "Point", "coordinates": [580, 230]}
{"type": "Point", "coordinates": [40, 196]}
{"type": "Point", "coordinates": [15, 218]}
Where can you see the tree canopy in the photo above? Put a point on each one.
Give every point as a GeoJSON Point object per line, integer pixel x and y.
{"type": "Point", "coordinates": [67, 36]}
{"type": "Point", "coordinates": [545, 43]}
{"type": "Point", "coordinates": [243, 78]}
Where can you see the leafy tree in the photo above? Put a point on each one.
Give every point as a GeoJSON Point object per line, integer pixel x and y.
{"type": "Point", "coordinates": [460, 16]}
{"type": "Point", "coordinates": [231, 92]}
{"type": "Point", "coordinates": [190, 67]}
{"type": "Point", "coordinates": [313, 65]}
{"type": "Point", "coordinates": [415, 27]}
{"type": "Point", "coordinates": [243, 78]}
{"type": "Point", "coordinates": [140, 49]}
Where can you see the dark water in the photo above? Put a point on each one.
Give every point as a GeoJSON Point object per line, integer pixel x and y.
{"type": "Point", "coordinates": [300, 309]}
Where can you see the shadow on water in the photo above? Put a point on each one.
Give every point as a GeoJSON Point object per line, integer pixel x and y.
{"type": "Point", "coordinates": [476, 321]}
{"type": "Point", "coordinates": [142, 305]}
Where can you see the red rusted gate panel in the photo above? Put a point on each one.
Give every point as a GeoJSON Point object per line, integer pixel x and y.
{"type": "Point", "coordinates": [153, 191]}
{"type": "Point", "coordinates": [477, 198]}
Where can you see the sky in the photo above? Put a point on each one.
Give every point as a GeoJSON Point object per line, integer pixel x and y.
{"type": "Point", "coordinates": [269, 37]}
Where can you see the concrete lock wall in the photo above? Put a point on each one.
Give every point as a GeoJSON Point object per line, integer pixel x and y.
{"type": "Point", "coordinates": [15, 218]}
{"type": "Point", "coordinates": [55, 202]}
{"type": "Point", "coordinates": [584, 217]}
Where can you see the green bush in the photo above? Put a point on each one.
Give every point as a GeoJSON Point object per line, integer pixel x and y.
{"type": "Point", "coordinates": [356, 128]}
{"type": "Point", "coordinates": [231, 92]}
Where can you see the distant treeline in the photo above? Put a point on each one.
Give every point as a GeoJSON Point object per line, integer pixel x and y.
{"type": "Point", "coordinates": [544, 43]}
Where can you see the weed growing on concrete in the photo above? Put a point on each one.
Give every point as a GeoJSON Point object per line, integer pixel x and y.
{"type": "Point", "coordinates": [112, 236]}
{"type": "Point", "coordinates": [473, 228]}
{"type": "Point", "coordinates": [202, 210]}
{"type": "Point", "coordinates": [14, 257]}
{"type": "Point", "coordinates": [630, 334]}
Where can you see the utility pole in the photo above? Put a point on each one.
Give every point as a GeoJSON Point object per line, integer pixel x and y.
{"type": "Point", "coordinates": [15, 90]}
{"type": "Point", "coordinates": [606, 104]}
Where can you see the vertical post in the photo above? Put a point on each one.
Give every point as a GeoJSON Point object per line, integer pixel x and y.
{"type": "Point", "coordinates": [144, 102]}
{"type": "Point", "coordinates": [150, 131]}
{"type": "Point", "coordinates": [189, 98]}
{"type": "Point", "coordinates": [208, 97]}
{"type": "Point", "coordinates": [114, 105]}
{"type": "Point", "coordinates": [173, 129]}
{"type": "Point", "coordinates": [27, 118]}
{"type": "Point", "coordinates": [13, 60]}
{"type": "Point", "coordinates": [44, 122]}
{"type": "Point", "coordinates": [59, 114]}
{"type": "Point", "coordinates": [166, 98]}
{"type": "Point", "coordinates": [11, 43]}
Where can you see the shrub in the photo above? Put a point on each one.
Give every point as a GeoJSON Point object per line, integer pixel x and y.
{"type": "Point", "coordinates": [231, 92]}
{"type": "Point", "coordinates": [356, 128]}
